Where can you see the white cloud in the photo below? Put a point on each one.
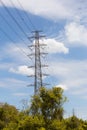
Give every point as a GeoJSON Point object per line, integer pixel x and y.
{"type": "Point", "coordinates": [20, 94]}
{"type": "Point", "coordinates": [54, 46]}
{"type": "Point", "coordinates": [62, 86]}
{"type": "Point", "coordinates": [71, 74]}
{"type": "Point", "coordinates": [50, 9]}
{"type": "Point", "coordinates": [17, 53]}
{"type": "Point", "coordinates": [53, 9]}
{"type": "Point", "coordinates": [76, 33]}
{"type": "Point", "coordinates": [5, 66]}
{"type": "Point", "coordinates": [12, 83]}
{"type": "Point", "coordinates": [23, 70]}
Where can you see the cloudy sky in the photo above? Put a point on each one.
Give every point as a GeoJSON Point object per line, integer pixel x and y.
{"type": "Point", "coordinates": [65, 25]}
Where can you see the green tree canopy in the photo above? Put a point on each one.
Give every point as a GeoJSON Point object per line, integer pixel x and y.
{"type": "Point", "coordinates": [74, 123]}
{"type": "Point", "coordinates": [48, 103]}
{"type": "Point", "coordinates": [8, 114]}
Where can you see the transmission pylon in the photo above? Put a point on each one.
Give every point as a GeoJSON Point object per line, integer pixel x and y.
{"type": "Point", "coordinates": [37, 55]}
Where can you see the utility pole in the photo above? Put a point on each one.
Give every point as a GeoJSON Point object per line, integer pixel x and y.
{"type": "Point", "coordinates": [38, 54]}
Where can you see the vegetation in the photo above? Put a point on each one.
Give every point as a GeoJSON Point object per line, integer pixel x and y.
{"type": "Point", "coordinates": [45, 113]}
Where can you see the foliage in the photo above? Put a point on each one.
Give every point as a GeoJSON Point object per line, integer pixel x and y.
{"type": "Point", "coordinates": [31, 123]}
{"type": "Point", "coordinates": [8, 114]}
{"type": "Point", "coordinates": [48, 103]}
{"type": "Point", "coordinates": [45, 113]}
{"type": "Point", "coordinates": [73, 123]}
{"type": "Point", "coordinates": [56, 125]}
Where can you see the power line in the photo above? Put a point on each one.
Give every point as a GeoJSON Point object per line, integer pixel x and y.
{"type": "Point", "coordinates": [27, 16]}
{"type": "Point", "coordinates": [22, 50]}
{"type": "Point", "coordinates": [19, 14]}
{"type": "Point", "coordinates": [13, 42]}
{"type": "Point", "coordinates": [14, 19]}
{"type": "Point", "coordinates": [15, 33]}
{"type": "Point", "coordinates": [12, 28]}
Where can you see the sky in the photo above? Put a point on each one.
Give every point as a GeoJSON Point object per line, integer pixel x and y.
{"type": "Point", "coordinates": [64, 23]}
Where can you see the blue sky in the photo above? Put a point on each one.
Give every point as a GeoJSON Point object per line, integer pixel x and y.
{"type": "Point", "coordinates": [65, 25]}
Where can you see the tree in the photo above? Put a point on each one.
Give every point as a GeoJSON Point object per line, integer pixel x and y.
{"type": "Point", "coordinates": [73, 123]}
{"type": "Point", "coordinates": [31, 123]}
{"type": "Point", "coordinates": [56, 125]}
{"type": "Point", "coordinates": [8, 114]}
{"type": "Point", "coordinates": [48, 103]}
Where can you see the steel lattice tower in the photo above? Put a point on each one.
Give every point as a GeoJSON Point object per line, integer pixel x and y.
{"type": "Point", "coordinates": [38, 74]}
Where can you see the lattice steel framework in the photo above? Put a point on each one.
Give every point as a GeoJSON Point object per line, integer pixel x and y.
{"type": "Point", "coordinates": [38, 74]}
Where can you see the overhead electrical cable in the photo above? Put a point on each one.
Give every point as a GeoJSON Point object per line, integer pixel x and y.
{"type": "Point", "coordinates": [27, 16]}
{"type": "Point", "coordinates": [13, 42]}
{"type": "Point", "coordinates": [15, 20]}
{"type": "Point", "coordinates": [12, 28]}
{"type": "Point", "coordinates": [6, 34]}
{"type": "Point", "coordinates": [19, 14]}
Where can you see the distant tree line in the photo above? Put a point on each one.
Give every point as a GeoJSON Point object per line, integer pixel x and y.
{"type": "Point", "coordinates": [45, 113]}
